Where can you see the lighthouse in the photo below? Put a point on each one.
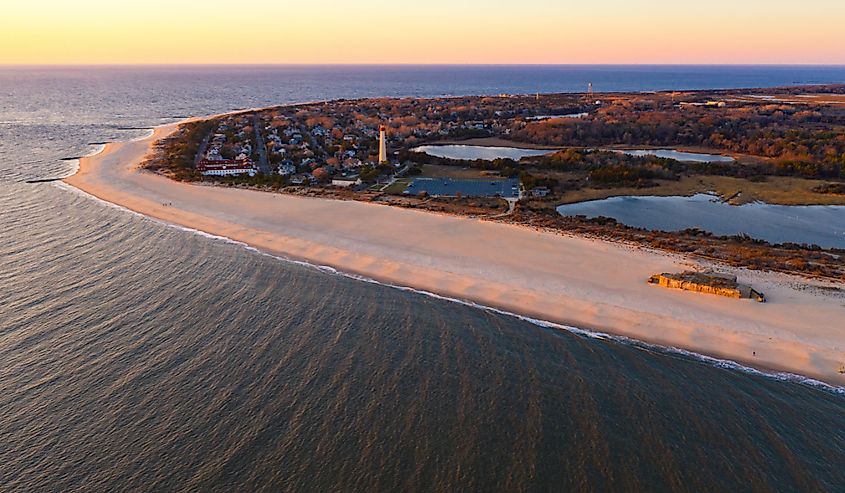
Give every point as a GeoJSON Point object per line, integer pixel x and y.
{"type": "Point", "coordinates": [382, 145]}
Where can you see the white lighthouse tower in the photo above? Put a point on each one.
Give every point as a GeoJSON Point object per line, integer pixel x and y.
{"type": "Point", "coordinates": [382, 145]}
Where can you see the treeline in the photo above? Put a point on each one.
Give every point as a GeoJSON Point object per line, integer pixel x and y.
{"type": "Point", "coordinates": [603, 168]}
{"type": "Point", "coordinates": [608, 168]}
{"type": "Point", "coordinates": [831, 188]}
{"type": "Point", "coordinates": [469, 133]}
{"type": "Point", "coordinates": [670, 169]}
{"type": "Point", "coordinates": [505, 167]}
{"type": "Point", "coordinates": [260, 180]}
{"type": "Point", "coordinates": [176, 154]}
{"type": "Point", "coordinates": [803, 142]}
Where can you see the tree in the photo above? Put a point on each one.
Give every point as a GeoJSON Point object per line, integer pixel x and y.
{"type": "Point", "coordinates": [321, 174]}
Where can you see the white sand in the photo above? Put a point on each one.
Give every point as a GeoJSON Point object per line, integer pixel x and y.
{"type": "Point", "coordinates": [581, 282]}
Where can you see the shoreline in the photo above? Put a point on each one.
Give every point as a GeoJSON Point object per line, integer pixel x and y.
{"type": "Point", "coordinates": [494, 142]}
{"type": "Point", "coordinates": [763, 371]}
{"type": "Point", "coordinates": [585, 283]}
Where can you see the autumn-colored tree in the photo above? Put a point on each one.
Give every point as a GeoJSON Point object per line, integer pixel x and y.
{"type": "Point", "coordinates": [321, 174]}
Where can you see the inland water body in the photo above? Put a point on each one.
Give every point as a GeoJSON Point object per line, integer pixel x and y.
{"type": "Point", "coordinates": [135, 356]}
{"type": "Point", "coordinates": [822, 225]}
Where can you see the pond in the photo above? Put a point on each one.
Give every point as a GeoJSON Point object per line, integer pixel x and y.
{"type": "Point", "coordinates": [554, 117]}
{"type": "Point", "coordinates": [471, 153]}
{"type": "Point", "coordinates": [819, 225]}
{"type": "Point", "coordinates": [679, 156]}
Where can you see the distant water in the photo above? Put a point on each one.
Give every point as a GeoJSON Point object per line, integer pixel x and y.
{"type": "Point", "coordinates": [822, 225]}
{"type": "Point", "coordinates": [694, 157]}
{"type": "Point", "coordinates": [137, 356]}
{"type": "Point", "coordinates": [471, 153]}
{"type": "Point", "coordinates": [550, 117]}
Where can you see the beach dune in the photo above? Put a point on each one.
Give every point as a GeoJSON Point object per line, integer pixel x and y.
{"type": "Point", "coordinates": [581, 282]}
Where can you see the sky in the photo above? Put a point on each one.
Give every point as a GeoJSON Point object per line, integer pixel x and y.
{"type": "Point", "coordinates": [422, 31]}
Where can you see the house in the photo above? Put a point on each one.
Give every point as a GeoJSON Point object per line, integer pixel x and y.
{"type": "Point", "coordinates": [540, 191]}
{"type": "Point", "coordinates": [213, 154]}
{"type": "Point", "coordinates": [286, 169]}
{"type": "Point", "coordinates": [346, 181]}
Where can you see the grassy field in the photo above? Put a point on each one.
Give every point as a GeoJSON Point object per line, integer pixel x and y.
{"type": "Point", "coordinates": [775, 190]}
{"type": "Point", "coordinates": [440, 171]}
{"type": "Point", "coordinates": [397, 187]}
{"type": "Point", "coordinates": [820, 98]}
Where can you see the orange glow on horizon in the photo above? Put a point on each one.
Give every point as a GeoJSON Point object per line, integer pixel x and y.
{"type": "Point", "coordinates": [439, 31]}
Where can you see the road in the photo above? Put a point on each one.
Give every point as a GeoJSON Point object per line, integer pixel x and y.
{"type": "Point", "coordinates": [263, 162]}
{"type": "Point", "coordinates": [202, 148]}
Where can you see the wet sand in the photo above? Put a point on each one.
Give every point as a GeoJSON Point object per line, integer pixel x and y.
{"type": "Point", "coordinates": [580, 282]}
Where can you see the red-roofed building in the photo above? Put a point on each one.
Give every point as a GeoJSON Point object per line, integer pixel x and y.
{"type": "Point", "coordinates": [227, 167]}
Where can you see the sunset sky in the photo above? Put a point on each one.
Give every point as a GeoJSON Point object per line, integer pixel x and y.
{"type": "Point", "coordinates": [430, 31]}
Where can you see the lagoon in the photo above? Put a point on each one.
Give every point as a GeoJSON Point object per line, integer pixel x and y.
{"type": "Point", "coordinates": [471, 153]}
{"type": "Point", "coordinates": [680, 156]}
{"type": "Point", "coordinates": [819, 225]}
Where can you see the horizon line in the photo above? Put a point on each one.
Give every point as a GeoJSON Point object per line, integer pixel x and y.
{"type": "Point", "coordinates": [422, 64]}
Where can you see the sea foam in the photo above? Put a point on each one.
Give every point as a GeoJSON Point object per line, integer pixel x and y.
{"type": "Point", "coordinates": [592, 334]}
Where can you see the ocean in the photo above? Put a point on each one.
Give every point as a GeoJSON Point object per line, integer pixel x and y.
{"type": "Point", "coordinates": [137, 356]}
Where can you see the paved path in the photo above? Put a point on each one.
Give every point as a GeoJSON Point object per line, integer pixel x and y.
{"type": "Point", "coordinates": [263, 162]}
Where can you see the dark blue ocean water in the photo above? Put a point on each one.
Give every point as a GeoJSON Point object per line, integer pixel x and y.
{"type": "Point", "coordinates": [137, 356]}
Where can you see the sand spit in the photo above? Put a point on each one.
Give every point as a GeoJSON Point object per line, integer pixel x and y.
{"type": "Point", "coordinates": [581, 282]}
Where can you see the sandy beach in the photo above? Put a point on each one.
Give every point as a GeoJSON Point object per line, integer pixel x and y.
{"type": "Point", "coordinates": [581, 282]}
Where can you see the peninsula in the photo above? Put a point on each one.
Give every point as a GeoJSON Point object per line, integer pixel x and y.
{"type": "Point", "coordinates": [483, 249]}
